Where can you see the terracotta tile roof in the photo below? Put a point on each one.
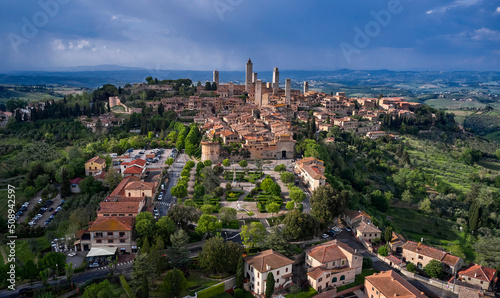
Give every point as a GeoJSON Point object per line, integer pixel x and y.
{"type": "Point", "coordinates": [119, 207]}
{"type": "Point", "coordinates": [75, 180]}
{"type": "Point", "coordinates": [124, 223]}
{"type": "Point", "coordinates": [354, 214]}
{"type": "Point", "coordinates": [121, 186]}
{"type": "Point", "coordinates": [391, 284]}
{"type": "Point", "coordinates": [324, 254]}
{"type": "Point", "coordinates": [480, 272]}
{"type": "Point", "coordinates": [317, 272]}
{"type": "Point", "coordinates": [329, 251]}
{"type": "Point", "coordinates": [119, 198]}
{"type": "Point", "coordinates": [135, 185]}
{"type": "Point", "coordinates": [139, 162]}
{"type": "Point", "coordinates": [314, 172]}
{"type": "Point", "coordinates": [97, 159]}
{"type": "Point", "coordinates": [394, 260]}
{"type": "Point", "coordinates": [271, 258]}
{"type": "Point", "coordinates": [364, 227]}
{"type": "Point", "coordinates": [431, 252]}
{"type": "Point", "coordinates": [133, 170]}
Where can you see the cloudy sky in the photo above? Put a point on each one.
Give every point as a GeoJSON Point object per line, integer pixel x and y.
{"type": "Point", "coordinates": [222, 34]}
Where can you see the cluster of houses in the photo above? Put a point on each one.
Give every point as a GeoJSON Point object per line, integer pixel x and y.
{"type": "Point", "coordinates": [334, 263]}
{"type": "Point", "coordinates": [111, 232]}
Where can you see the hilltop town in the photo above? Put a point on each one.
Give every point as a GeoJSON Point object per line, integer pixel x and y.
{"type": "Point", "coordinates": [169, 188]}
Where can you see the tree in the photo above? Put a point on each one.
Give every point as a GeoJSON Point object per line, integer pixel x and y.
{"type": "Point", "coordinates": [29, 271]}
{"type": "Point", "coordinates": [280, 168]}
{"type": "Point", "coordinates": [164, 227]}
{"type": "Point", "coordinates": [273, 208]}
{"type": "Point", "coordinates": [253, 233]}
{"type": "Point", "coordinates": [411, 267]}
{"type": "Point", "coordinates": [142, 274]}
{"type": "Point", "coordinates": [175, 282]}
{"type": "Point", "coordinates": [434, 269]}
{"type": "Point", "coordinates": [178, 253]}
{"type": "Point", "coordinates": [218, 191]}
{"type": "Point", "coordinates": [243, 163]}
{"type": "Point", "coordinates": [179, 191]}
{"type": "Point", "coordinates": [112, 179]}
{"type": "Point", "coordinates": [240, 273]}
{"type": "Point", "coordinates": [68, 268]}
{"type": "Point", "coordinates": [327, 203]}
{"type": "Point", "coordinates": [475, 215]}
{"type": "Point", "coordinates": [208, 208]}
{"type": "Point", "coordinates": [275, 189]}
{"type": "Point", "coordinates": [145, 224]}
{"type": "Point", "coordinates": [227, 214]}
{"type": "Point", "coordinates": [226, 163]}
{"type": "Point", "coordinates": [388, 234]}
{"type": "Point", "coordinates": [299, 225]}
{"type": "Point", "coordinates": [266, 184]}
{"type": "Point", "coordinates": [210, 179]}
{"type": "Point", "coordinates": [379, 201]}
{"type": "Point", "coordinates": [208, 224]}
{"type": "Point", "coordinates": [297, 195]}
{"type": "Point", "coordinates": [44, 276]}
{"type": "Point", "coordinates": [277, 241]}
{"type": "Point", "coordinates": [407, 197]}
{"type": "Point", "coordinates": [169, 161]}
{"type": "Point", "coordinates": [290, 205]}
{"type": "Point", "coordinates": [425, 206]}
{"type": "Point", "coordinates": [383, 251]}
{"type": "Point", "coordinates": [270, 285]}
{"type": "Point", "coordinates": [287, 177]}
{"type": "Point", "coordinates": [213, 255]}
{"type": "Point", "coordinates": [182, 215]}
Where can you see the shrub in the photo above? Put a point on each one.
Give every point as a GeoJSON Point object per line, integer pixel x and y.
{"type": "Point", "coordinates": [383, 251]}
{"type": "Point", "coordinates": [411, 267]}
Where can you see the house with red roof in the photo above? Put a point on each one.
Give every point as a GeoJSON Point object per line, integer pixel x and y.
{"type": "Point", "coordinates": [75, 185]}
{"type": "Point", "coordinates": [136, 168]}
{"type": "Point", "coordinates": [480, 276]}
{"type": "Point", "coordinates": [311, 171]}
{"type": "Point", "coordinates": [111, 235]}
{"type": "Point", "coordinates": [259, 265]}
{"type": "Point", "coordinates": [332, 264]}
{"type": "Point", "coordinates": [420, 255]}
{"type": "Point", "coordinates": [390, 284]}
{"type": "Point", "coordinates": [95, 166]}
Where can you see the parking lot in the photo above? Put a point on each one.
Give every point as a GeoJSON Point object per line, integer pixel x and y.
{"type": "Point", "coordinates": [47, 208]}
{"type": "Point", "coordinates": [158, 161]}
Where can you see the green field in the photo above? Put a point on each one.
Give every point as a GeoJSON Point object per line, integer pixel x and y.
{"type": "Point", "coordinates": [435, 161]}
{"type": "Point", "coordinates": [444, 103]}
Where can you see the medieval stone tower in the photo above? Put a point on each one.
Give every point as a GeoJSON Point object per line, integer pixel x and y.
{"type": "Point", "coordinates": [210, 151]}
{"type": "Point", "coordinates": [288, 91]}
{"type": "Point", "coordinates": [249, 74]}
{"type": "Point", "coordinates": [276, 80]}
{"type": "Point", "coordinates": [216, 78]}
{"type": "Point", "coordinates": [258, 93]}
{"type": "Point", "coordinates": [306, 87]}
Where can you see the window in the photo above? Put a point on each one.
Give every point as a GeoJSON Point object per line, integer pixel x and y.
{"type": "Point", "coordinates": [286, 269]}
{"type": "Point", "coordinates": [334, 279]}
{"type": "Point", "coordinates": [121, 214]}
{"type": "Point", "coordinates": [377, 292]}
{"type": "Point", "coordinates": [370, 235]}
{"type": "Point", "coordinates": [122, 240]}
{"type": "Point", "coordinates": [258, 284]}
{"type": "Point", "coordinates": [364, 235]}
{"type": "Point", "coordinates": [277, 280]}
{"type": "Point", "coordinates": [481, 282]}
{"type": "Point", "coordinates": [110, 241]}
{"type": "Point", "coordinates": [110, 233]}
{"type": "Point", "coordinates": [98, 235]}
{"type": "Point", "coordinates": [320, 279]}
{"type": "Point", "coordinates": [343, 262]}
{"type": "Point", "coordinates": [420, 257]}
{"type": "Point", "coordinates": [258, 274]}
{"type": "Point", "coordinates": [99, 241]}
{"type": "Point", "coordinates": [328, 275]}
{"type": "Point", "coordinates": [343, 278]}
{"type": "Point", "coordinates": [122, 234]}
{"type": "Point", "coordinates": [373, 289]}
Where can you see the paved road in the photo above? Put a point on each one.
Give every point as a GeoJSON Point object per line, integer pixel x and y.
{"type": "Point", "coordinates": [79, 278]}
{"type": "Point", "coordinates": [174, 173]}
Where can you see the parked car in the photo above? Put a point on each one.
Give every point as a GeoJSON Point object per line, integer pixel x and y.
{"type": "Point", "coordinates": [40, 201]}
{"type": "Point", "coordinates": [324, 236]}
{"type": "Point", "coordinates": [94, 265]}
{"type": "Point", "coordinates": [347, 229]}
{"type": "Point", "coordinates": [71, 254]}
{"type": "Point", "coordinates": [51, 209]}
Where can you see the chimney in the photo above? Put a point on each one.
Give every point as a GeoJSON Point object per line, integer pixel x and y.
{"type": "Point", "coordinates": [268, 267]}
{"type": "Point", "coordinates": [475, 274]}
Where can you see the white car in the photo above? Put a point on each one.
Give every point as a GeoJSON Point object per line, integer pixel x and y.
{"type": "Point", "coordinates": [347, 229]}
{"type": "Point", "coordinates": [94, 265]}
{"type": "Point", "coordinates": [40, 201]}
{"type": "Point", "coordinates": [71, 254]}
{"type": "Point", "coordinates": [324, 236]}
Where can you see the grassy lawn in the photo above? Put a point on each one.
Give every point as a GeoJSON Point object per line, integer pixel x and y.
{"type": "Point", "coordinates": [303, 294]}
{"type": "Point", "coordinates": [234, 224]}
{"type": "Point", "coordinates": [360, 279]}
{"type": "Point", "coordinates": [3, 204]}
{"type": "Point", "coordinates": [195, 282]}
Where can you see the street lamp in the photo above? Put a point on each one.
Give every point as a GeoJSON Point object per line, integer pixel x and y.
{"type": "Point", "coordinates": [57, 272]}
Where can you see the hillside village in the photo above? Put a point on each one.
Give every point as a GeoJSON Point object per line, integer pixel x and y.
{"type": "Point", "coordinates": [245, 156]}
